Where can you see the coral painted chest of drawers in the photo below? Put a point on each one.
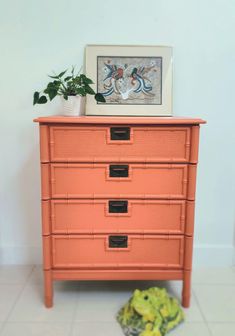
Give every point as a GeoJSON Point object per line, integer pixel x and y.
{"type": "Point", "coordinates": [118, 197]}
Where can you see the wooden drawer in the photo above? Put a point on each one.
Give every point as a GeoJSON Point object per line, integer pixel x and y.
{"type": "Point", "coordinates": [109, 251]}
{"type": "Point", "coordinates": [119, 143]}
{"type": "Point", "coordinates": [118, 181]}
{"type": "Point", "coordinates": [110, 216]}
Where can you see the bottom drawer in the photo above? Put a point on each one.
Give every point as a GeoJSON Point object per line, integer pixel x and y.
{"type": "Point", "coordinates": [117, 251]}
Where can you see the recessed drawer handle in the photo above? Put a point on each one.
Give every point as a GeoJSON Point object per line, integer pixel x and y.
{"type": "Point", "coordinates": [120, 133]}
{"type": "Point", "coordinates": [118, 206]}
{"type": "Point", "coordinates": [118, 241]}
{"type": "Point", "coordinates": [118, 170]}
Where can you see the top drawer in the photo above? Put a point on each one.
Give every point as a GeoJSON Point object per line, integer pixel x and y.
{"type": "Point", "coordinates": [119, 144]}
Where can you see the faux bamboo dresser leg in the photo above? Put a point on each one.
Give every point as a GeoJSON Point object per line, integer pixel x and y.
{"type": "Point", "coordinates": [186, 293]}
{"type": "Point", "coordinates": [48, 285]}
{"type": "Point", "coordinates": [48, 289]}
{"type": "Point", "coordinates": [188, 257]}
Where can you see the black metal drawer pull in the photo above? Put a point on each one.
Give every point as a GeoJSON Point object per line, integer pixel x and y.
{"type": "Point", "coordinates": [120, 133]}
{"type": "Point", "coordinates": [118, 170]}
{"type": "Point", "coordinates": [118, 206]}
{"type": "Point", "coordinates": [118, 241]}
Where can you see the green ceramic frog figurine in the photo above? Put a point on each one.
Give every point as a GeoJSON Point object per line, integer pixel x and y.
{"type": "Point", "coordinates": [150, 312]}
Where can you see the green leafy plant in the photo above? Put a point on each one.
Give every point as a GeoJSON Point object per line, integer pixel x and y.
{"type": "Point", "coordinates": [67, 85]}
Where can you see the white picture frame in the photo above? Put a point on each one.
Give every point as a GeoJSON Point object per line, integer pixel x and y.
{"type": "Point", "coordinates": [136, 80]}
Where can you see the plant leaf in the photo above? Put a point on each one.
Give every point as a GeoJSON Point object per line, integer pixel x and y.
{"type": "Point", "coordinates": [56, 77]}
{"type": "Point", "coordinates": [52, 89]}
{"type": "Point", "coordinates": [53, 84]}
{"type": "Point", "coordinates": [49, 85]}
{"type": "Point", "coordinates": [81, 91]}
{"type": "Point", "coordinates": [35, 97]}
{"type": "Point", "coordinates": [68, 78]}
{"type": "Point", "coordinates": [42, 100]}
{"type": "Point", "coordinates": [70, 84]}
{"type": "Point", "coordinates": [77, 80]}
{"type": "Point", "coordinates": [100, 98]}
{"type": "Point", "coordinates": [62, 73]}
{"type": "Point", "coordinates": [47, 90]}
{"type": "Point", "coordinates": [86, 80]}
{"type": "Point", "coordinates": [89, 90]}
{"type": "Point", "coordinates": [56, 82]}
{"type": "Point", "coordinates": [52, 93]}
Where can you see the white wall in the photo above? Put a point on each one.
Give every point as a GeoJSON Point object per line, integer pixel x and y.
{"type": "Point", "coordinates": [40, 36]}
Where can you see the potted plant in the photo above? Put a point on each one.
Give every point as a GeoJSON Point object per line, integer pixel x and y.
{"type": "Point", "coordinates": [73, 89]}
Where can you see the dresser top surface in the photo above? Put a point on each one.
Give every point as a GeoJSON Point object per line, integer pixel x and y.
{"type": "Point", "coordinates": [120, 120]}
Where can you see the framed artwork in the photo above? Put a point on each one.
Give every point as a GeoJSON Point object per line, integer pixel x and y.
{"type": "Point", "coordinates": [135, 80]}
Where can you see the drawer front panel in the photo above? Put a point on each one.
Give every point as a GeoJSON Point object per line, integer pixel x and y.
{"type": "Point", "coordinates": [130, 181]}
{"type": "Point", "coordinates": [110, 144]}
{"type": "Point", "coordinates": [110, 251]}
{"type": "Point", "coordinates": [128, 216]}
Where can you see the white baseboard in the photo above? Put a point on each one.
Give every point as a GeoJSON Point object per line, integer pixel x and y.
{"type": "Point", "coordinates": [204, 255]}
{"type": "Point", "coordinates": [213, 255]}
{"type": "Point", "coordinates": [21, 255]}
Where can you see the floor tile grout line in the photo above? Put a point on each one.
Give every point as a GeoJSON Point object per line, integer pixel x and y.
{"type": "Point", "coordinates": [198, 304]}
{"type": "Point", "coordinates": [201, 311]}
{"type": "Point", "coordinates": [38, 322]}
{"type": "Point", "coordinates": [16, 283]}
{"type": "Point", "coordinates": [73, 321]}
{"type": "Point", "coordinates": [14, 303]}
{"type": "Point", "coordinates": [2, 326]}
{"type": "Point", "coordinates": [210, 331]}
{"type": "Point", "coordinates": [28, 278]}
{"type": "Point", "coordinates": [221, 322]}
{"type": "Point", "coordinates": [18, 296]}
{"type": "Point", "coordinates": [214, 284]}
{"type": "Point", "coordinates": [208, 328]}
{"type": "Point", "coordinates": [74, 315]}
{"type": "Point", "coordinates": [205, 320]}
{"type": "Point", "coordinates": [71, 328]}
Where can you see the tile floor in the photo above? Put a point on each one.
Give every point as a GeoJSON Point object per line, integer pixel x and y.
{"type": "Point", "coordinates": [88, 308]}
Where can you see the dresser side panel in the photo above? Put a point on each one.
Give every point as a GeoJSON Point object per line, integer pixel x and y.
{"type": "Point", "coordinates": [45, 181]}
{"type": "Point", "coordinates": [44, 143]}
{"type": "Point", "coordinates": [47, 252]}
{"type": "Point", "coordinates": [46, 226]}
{"type": "Point", "coordinates": [188, 253]}
{"type": "Point", "coordinates": [189, 222]}
{"type": "Point", "coordinates": [194, 144]}
{"type": "Point", "coordinates": [192, 173]}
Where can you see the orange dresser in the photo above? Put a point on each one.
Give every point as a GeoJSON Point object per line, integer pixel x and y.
{"type": "Point", "coordinates": [118, 197]}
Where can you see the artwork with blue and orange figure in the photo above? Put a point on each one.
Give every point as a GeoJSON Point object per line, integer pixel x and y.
{"type": "Point", "coordinates": [130, 80]}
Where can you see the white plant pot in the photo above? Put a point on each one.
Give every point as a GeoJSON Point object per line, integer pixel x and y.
{"type": "Point", "coordinates": [74, 106]}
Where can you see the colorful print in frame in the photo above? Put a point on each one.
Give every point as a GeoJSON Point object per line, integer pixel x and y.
{"type": "Point", "coordinates": [130, 80]}
{"type": "Point", "coordinates": [135, 80]}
